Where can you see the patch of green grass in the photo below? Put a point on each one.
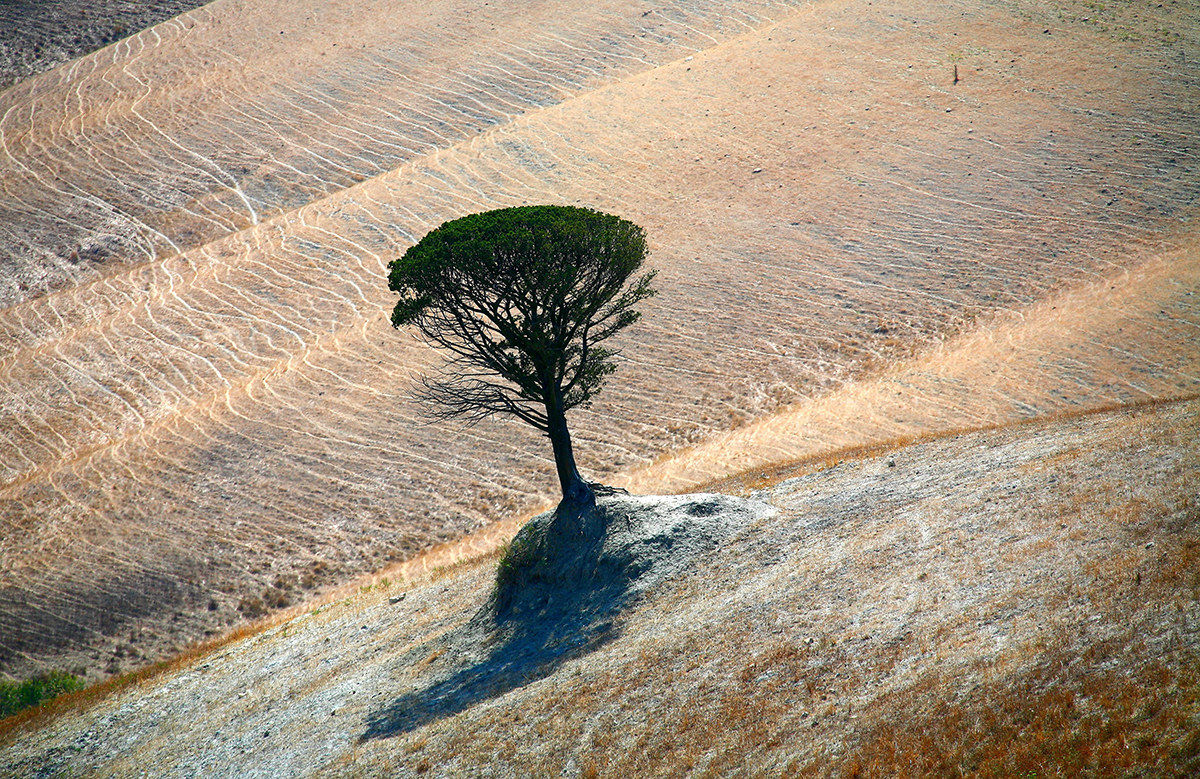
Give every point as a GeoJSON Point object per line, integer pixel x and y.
{"type": "Point", "coordinates": [16, 696]}
{"type": "Point", "coordinates": [516, 556]}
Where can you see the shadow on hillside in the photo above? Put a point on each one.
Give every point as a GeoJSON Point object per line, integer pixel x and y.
{"type": "Point", "coordinates": [533, 649]}
{"type": "Point", "coordinates": [559, 604]}
{"type": "Point", "coordinates": [566, 578]}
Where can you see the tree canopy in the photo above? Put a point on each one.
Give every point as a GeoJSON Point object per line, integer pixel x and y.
{"type": "Point", "coordinates": [522, 298]}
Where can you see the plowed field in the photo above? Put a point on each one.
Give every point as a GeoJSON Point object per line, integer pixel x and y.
{"type": "Point", "coordinates": [206, 414]}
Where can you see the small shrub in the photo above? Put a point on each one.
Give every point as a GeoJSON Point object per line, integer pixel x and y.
{"type": "Point", "coordinates": [318, 573]}
{"type": "Point", "coordinates": [275, 598]}
{"type": "Point", "coordinates": [518, 555]}
{"type": "Point", "coordinates": [15, 696]}
{"type": "Point", "coordinates": [252, 607]}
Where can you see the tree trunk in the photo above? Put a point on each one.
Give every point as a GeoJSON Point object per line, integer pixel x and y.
{"type": "Point", "coordinates": [574, 488]}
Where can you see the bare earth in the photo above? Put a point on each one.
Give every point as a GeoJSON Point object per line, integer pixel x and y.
{"type": "Point", "coordinates": [205, 413]}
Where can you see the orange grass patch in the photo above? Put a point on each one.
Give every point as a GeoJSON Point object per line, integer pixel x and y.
{"type": "Point", "coordinates": [762, 478]}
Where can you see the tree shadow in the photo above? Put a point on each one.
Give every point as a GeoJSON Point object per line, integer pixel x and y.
{"type": "Point", "coordinates": [557, 600]}
{"type": "Point", "coordinates": [534, 647]}
{"type": "Point", "coordinates": [560, 587]}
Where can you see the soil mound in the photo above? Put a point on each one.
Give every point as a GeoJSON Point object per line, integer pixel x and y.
{"type": "Point", "coordinates": [563, 580]}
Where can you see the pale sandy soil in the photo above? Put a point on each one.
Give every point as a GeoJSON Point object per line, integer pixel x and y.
{"type": "Point", "coordinates": [205, 410]}
{"type": "Point", "coordinates": [1019, 600]}
{"type": "Point", "coordinates": [1092, 345]}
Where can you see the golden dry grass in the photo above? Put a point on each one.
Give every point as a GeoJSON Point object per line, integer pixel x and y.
{"type": "Point", "coordinates": [1106, 681]}
{"type": "Point", "coordinates": [189, 424]}
{"type": "Point", "coordinates": [1014, 600]}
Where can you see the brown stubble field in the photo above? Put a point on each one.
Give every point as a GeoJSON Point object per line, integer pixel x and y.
{"type": "Point", "coordinates": [205, 408]}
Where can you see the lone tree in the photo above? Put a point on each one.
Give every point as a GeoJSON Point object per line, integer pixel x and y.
{"type": "Point", "coordinates": [522, 298]}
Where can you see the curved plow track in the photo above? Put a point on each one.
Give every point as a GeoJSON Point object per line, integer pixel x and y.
{"type": "Point", "coordinates": [205, 408]}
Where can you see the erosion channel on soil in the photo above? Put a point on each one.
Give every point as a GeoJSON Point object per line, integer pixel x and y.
{"type": "Point", "coordinates": [206, 414]}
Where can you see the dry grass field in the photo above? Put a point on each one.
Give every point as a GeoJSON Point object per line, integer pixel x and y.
{"type": "Point", "coordinates": [205, 415]}
{"type": "Point", "coordinates": [1019, 601]}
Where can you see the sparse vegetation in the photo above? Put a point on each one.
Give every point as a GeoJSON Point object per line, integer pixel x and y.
{"type": "Point", "coordinates": [252, 607]}
{"type": "Point", "coordinates": [1096, 673]}
{"type": "Point", "coordinates": [516, 556]}
{"type": "Point", "coordinates": [773, 283]}
{"type": "Point", "coordinates": [823, 205]}
{"type": "Point", "coordinates": [17, 696]}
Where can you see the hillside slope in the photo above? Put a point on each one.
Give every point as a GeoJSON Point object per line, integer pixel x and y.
{"type": "Point", "coordinates": [1022, 599]}
{"type": "Point", "coordinates": [1109, 342]}
{"type": "Point", "coordinates": [37, 35]}
{"type": "Point", "coordinates": [205, 413]}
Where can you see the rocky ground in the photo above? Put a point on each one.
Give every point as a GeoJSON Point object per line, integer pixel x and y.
{"type": "Point", "coordinates": [993, 603]}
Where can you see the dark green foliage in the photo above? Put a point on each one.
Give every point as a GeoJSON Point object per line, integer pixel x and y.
{"type": "Point", "coordinates": [525, 294]}
{"type": "Point", "coordinates": [522, 298]}
{"type": "Point", "coordinates": [15, 696]}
